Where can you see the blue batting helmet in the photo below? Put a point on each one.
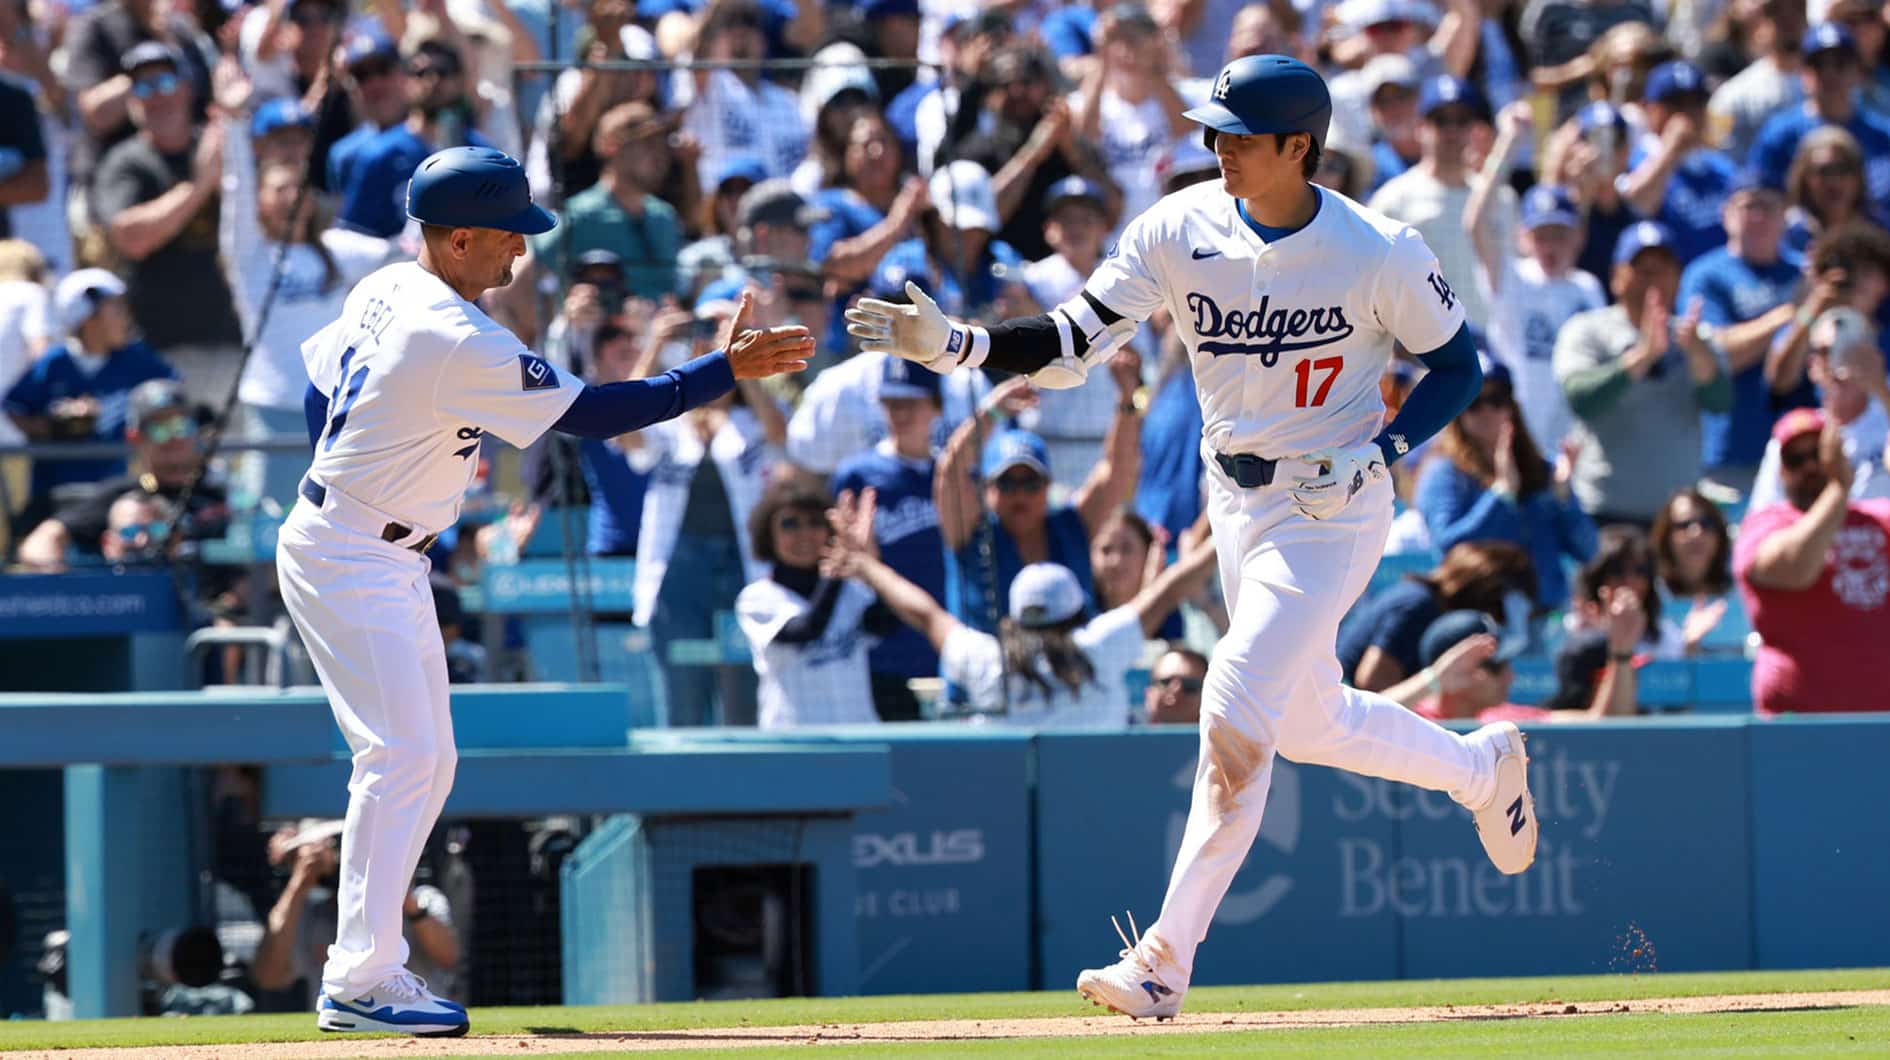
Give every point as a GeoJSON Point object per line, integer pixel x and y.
{"type": "Point", "coordinates": [1266, 94]}
{"type": "Point", "coordinates": [475, 187]}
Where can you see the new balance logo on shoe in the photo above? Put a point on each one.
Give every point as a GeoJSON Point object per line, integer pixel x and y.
{"type": "Point", "coordinates": [1156, 991]}
{"type": "Point", "coordinates": [1515, 816]}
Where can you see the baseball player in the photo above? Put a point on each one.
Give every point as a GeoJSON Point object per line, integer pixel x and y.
{"type": "Point", "coordinates": [404, 386]}
{"type": "Point", "coordinates": [1289, 298]}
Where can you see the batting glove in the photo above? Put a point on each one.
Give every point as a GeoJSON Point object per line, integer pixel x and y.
{"type": "Point", "coordinates": [919, 332]}
{"type": "Point", "coordinates": [1345, 473]}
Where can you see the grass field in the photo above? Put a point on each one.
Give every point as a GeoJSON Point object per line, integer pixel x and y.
{"type": "Point", "coordinates": [1541, 1031]}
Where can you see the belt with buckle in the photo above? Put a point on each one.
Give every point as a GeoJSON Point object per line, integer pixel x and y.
{"type": "Point", "coordinates": [1247, 470]}
{"type": "Point", "coordinates": [316, 493]}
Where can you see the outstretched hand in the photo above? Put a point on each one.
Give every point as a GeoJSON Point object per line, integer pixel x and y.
{"type": "Point", "coordinates": [851, 519]}
{"type": "Point", "coordinates": [918, 332]}
{"type": "Point", "coordinates": [756, 353]}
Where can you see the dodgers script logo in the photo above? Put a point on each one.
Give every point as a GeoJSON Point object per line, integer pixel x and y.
{"type": "Point", "coordinates": [1277, 330]}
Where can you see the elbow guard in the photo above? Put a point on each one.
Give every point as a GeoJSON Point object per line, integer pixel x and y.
{"type": "Point", "coordinates": [1085, 340]}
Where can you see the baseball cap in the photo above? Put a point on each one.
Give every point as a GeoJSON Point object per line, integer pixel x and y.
{"type": "Point", "coordinates": [1389, 70]}
{"type": "Point", "coordinates": [775, 202]}
{"type": "Point", "coordinates": [1751, 178]}
{"type": "Point", "coordinates": [1600, 114]}
{"type": "Point", "coordinates": [1454, 627]}
{"type": "Point", "coordinates": [900, 378]}
{"type": "Point", "coordinates": [1359, 14]}
{"type": "Point", "coordinates": [1073, 188]}
{"type": "Point", "coordinates": [638, 43]}
{"type": "Point", "coordinates": [79, 294]}
{"type": "Point", "coordinates": [1797, 422]}
{"type": "Point", "coordinates": [1549, 204]}
{"type": "Point", "coordinates": [839, 68]}
{"type": "Point", "coordinates": [147, 54]}
{"type": "Point", "coordinates": [279, 113]}
{"type": "Point", "coordinates": [872, 9]}
{"type": "Point", "coordinates": [152, 397]}
{"type": "Point", "coordinates": [1643, 235]}
{"type": "Point", "coordinates": [962, 195]}
{"type": "Point", "coordinates": [1014, 447]}
{"type": "Point", "coordinates": [1045, 594]}
{"type": "Point", "coordinates": [741, 167]}
{"type": "Point", "coordinates": [1827, 37]}
{"type": "Point", "coordinates": [1443, 90]}
{"type": "Point", "coordinates": [1670, 80]}
{"type": "Point", "coordinates": [1495, 372]}
{"type": "Point", "coordinates": [367, 47]}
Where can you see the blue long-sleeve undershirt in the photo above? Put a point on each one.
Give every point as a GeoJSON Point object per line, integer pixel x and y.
{"type": "Point", "coordinates": [618, 408]}
{"type": "Point", "coordinates": [1452, 382]}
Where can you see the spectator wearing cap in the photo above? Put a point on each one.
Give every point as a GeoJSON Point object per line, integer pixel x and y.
{"type": "Point", "coordinates": [1490, 482]}
{"type": "Point", "coordinates": [1746, 290]}
{"type": "Point", "coordinates": [1833, 76]}
{"type": "Point", "coordinates": [899, 470]}
{"type": "Point", "coordinates": [834, 95]}
{"type": "Point", "coordinates": [1814, 571]}
{"type": "Point", "coordinates": [1367, 29]}
{"type": "Point", "coordinates": [1825, 188]}
{"type": "Point", "coordinates": [1173, 696]}
{"type": "Point", "coordinates": [286, 49]}
{"type": "Point", "coordinates": [1391, 85]}
{"type": "Point", "coordinates": [737, 113]}
{"type": "Point", "coordinates": [376, 83]}
{"type": "Point", "coordinates": [439, 115]}
{"type": "Point", "coordinates": [772, 242]}
{"type": "Point", "coordinates": [621, 213]}
{"type": "Point", "coordinates": [996, 523]}
{"type": "Point", "coordinates": [161, 427]}
{"type": "Point", "coordinates": [1845, 364]}
{"type": "Point", "coordinates": [595, 297]}
{"type": "Point", "coordinates": [1638, 385]}
{"type": "Point", "coordinates": [959, 255]}
{"type": "Point", "coordinates": [1532, 286]}
{"type": "Point", "coordinates": [1847, 267]}
{"type": "Point", "coordinates": [1467, 672]}
{"type": "Point", "coordinates": [1128, 104]}
{"type": "Point", "coordinates": [1768, 82]}
{"type": "Point", "coordinates": [97, 43]}
{"type": "Point", "coordinates": [1073, 422]}
{"type": "Point", "coordinates": [155, 196]}
{"type": "Point", "coordinates": [1587, 155]}
{"type": "Point", "coordinates": [1048, 665]}
{"type": "Point", "coordinates": [297, 262]}
{"type": "Point", "coordinates": [1864, 19]}
{"type": "Point", "coordinates": [80, 389]}
{"type": "Point", "coordinates": [1029, 142]}
{"type": "Point", "coordinates": [1431, 196]}
{"type": "Point", "coordinates": [1673, 176]}
{"type": "Point", "coordinates": [704, 260]}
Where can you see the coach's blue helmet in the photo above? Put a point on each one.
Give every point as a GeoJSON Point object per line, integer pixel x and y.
{"type": "Point", "coordinates": [475, 187]}
{"type": "Point", "coordinates": [1266, 94]}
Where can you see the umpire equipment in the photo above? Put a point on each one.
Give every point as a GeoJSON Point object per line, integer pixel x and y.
{"type": "Point", "coordinates": [1266, 94]}
{"type": "Point", "coordinates": [475, 187]}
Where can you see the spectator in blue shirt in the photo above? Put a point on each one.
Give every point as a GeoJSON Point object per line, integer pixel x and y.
{"type": "Point", "coordinates": [80, 389]}
{"type": "Point", "coordinates": [377, 86]}
{"type": "Point", "coordinates": [1825, 187]}
{"type": "Point", "coordinates": [1489, 482]}
{"type": "Point", "coordinates": [374, 192]}
{"type": "Point", "coordinates": [1673, 176]}
{"type": "Point", "coordinates": [1833, 75]}
{"type": "Point", "coordinates": [905, 523]}
{"type": "Point", "coordinates": [1379, 641]}
{"type": "Point", "coordinates": [957, 256]}
{"type": "Point", "coordinates": [868, 209]}
{"type": "Point", "coordinates": [1169, 495]}
{"type": "Point", "coordinates": [1745, 289]}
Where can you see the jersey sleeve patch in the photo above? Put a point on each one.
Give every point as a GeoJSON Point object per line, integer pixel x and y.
{"type": "Point", "coordinates": [535, 373]}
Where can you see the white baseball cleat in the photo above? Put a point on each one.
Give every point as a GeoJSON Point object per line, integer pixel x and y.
{"type": "Point", "coordinates": [401, 1004]}
{"type": "Point", "coordinates": [1507, 823]}
{"type": "Point", "coordinates": [1129, 986]}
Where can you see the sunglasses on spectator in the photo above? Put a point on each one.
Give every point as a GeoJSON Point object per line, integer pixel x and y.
{"type": "Point", "coordinates": [314, 15]}
{"type": "Point", "coordinates": [374, 68]}
{"type": "Point", "coordinates": [1390, 25]}
{"type": "Point", "coordinates": [156, 528]}
{"type": "Point", "coordinates": [439, 70]}
{"type": "Point", "coordinates": [1495, 399]}
{"type": "Point", "coordinates": [169, 430]}
{"type": "Point", "coordinates": [1190, 685]}
{"type": "Point", "coordinates": [1024, 483]}
{"type": "Point", "coordinates": [160, 85]}
{"type": "Point", "coordinates": [1452, 119]}
{"type": "Point", "coordinates": [1697, 522]}
{"type": "Point", "coordinates": [1793, 459]}
{"type": "Point", "coordinates": [1831, 62]}
{"type": "Point", "coordinates": [1833, 170]}
{"type": "Point", "coordinates": [795, 523]}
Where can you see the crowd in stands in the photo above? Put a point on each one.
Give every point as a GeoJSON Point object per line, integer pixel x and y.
{"type": "Point", "coordinates": [1664, 222]}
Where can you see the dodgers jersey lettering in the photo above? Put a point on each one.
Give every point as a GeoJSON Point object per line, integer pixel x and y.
{"type": "Point", "coordinates": [415, 375]}
{"type": "Point", "coordinates": [1287, 339]}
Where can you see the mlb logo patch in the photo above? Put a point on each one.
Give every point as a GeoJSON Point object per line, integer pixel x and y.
{"type": "Point", "coordinates": [535, 373]}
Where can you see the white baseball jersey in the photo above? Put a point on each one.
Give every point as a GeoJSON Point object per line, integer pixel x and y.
{"type": "Point", "coordinates": [415, 375]}
{"type": "Point", "coordinates": [1112, 642]}
{"type": "Point", "coordinates": [1287, 338]}
{"type": "Point", "coordinates": [822, 682]}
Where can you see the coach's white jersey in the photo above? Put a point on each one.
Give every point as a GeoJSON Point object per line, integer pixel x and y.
{"type": "Point", "coordinates": [1288, 338]}
{"type": "Point", "coordinates": [415, 375]}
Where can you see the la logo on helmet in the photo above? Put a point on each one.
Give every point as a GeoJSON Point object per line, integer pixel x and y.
{"type": "Point", "coordinates": [1224, 85]}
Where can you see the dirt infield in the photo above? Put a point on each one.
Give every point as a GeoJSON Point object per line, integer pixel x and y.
{"type": "Point", "coordinates": [957, 1030]}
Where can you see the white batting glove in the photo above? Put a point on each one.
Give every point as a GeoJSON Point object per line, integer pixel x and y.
{"type": "Point", "coordinates": [919, 332]}
{"type": "Point", "coordinates": [1347, 471]}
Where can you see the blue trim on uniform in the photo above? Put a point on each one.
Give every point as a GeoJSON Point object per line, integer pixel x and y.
{"type": "Point", "coordinates": [1270, 234]}
{"type": "Point", "coordinates": [618, 408]}
{"type": "Point", "coordinates": [1452, 382]}
{"type": "Point", "coordinates": [315, 407]}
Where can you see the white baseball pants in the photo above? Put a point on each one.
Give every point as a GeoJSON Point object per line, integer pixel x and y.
{"type": "Point", "coordinates": [1273, 686]}
{"type": "Point", "coordinates": [365, 612]}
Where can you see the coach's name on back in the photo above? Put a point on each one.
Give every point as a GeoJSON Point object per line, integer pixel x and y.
{"type": "Point", "coordinates": [1283, 329]}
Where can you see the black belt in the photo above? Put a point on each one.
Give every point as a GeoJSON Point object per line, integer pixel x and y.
{"type": "Point", "coordinates": [1247, 470]}
{"type": "Point", "coordinates": [316, 493]}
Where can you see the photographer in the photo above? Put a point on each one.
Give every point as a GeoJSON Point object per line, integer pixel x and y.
{"type": "Point", "coordinates": [77, 390]}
